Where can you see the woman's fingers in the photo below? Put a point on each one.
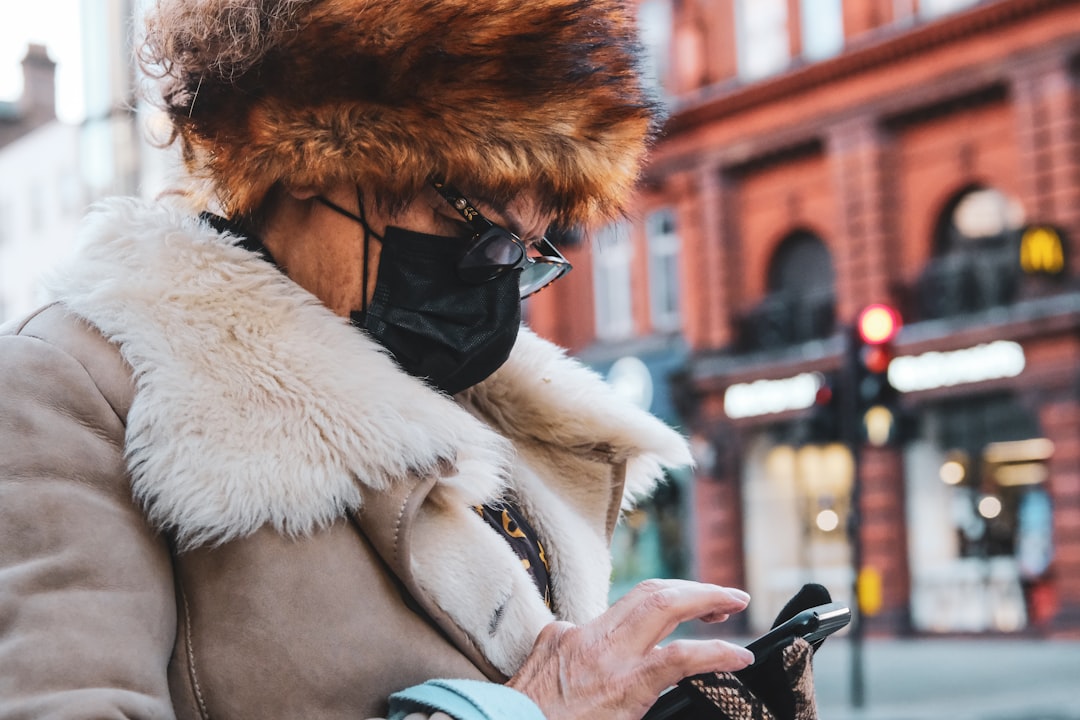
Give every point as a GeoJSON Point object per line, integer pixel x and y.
{"type": "Point", "coordinates": [654, 608]}
{"type": "Point", "coordinates": [669, 664]}
{"type": "Point", "coordinates": [706, 595]}
{"type": "Point", "coordinates": [614, 667]}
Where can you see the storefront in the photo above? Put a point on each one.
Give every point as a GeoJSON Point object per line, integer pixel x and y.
{"type": "Point", "coordinates": [977, 472]}
{"type": "Point", "coordinates": [795, 503]}
{"type": "Point", "coordinates": [979, 516]}
{"type": "Point", "coordinates": [973, 532]}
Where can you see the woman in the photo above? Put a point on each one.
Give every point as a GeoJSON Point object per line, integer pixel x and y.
{"type": "Point", "coordinates": [296, 455]}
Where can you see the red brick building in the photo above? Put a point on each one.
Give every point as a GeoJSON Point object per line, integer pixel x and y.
{"type": "Point", "coordinates": [823, 155]}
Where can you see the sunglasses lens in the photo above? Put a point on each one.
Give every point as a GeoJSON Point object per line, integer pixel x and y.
{"type": "Point", "coordinates": [493, 254]}
{"type": "Point", "coordinates": [540, 273]}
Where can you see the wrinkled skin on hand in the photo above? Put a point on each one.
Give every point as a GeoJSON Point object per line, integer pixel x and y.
{"type": "Point", "coordinates": [613, 667]}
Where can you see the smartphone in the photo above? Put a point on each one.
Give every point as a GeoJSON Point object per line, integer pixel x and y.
{"type": "Point", "coordinates": [812, 625]}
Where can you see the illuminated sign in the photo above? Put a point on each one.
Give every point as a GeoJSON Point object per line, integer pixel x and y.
{"type": "Point", "coordinates": [1000, 359]}
{"type": "Point", "coordinates": [1042, 251]}
{"type": "Point", "coordinates": [765, 397]}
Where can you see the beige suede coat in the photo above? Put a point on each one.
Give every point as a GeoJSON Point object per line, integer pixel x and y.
{"type": "Point", "coordinates": [219, 500]}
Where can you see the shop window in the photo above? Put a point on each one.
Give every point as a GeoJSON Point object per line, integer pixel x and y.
{"type": "Point", "coordinates": [822, 23]}
{"type": "Point", "coordinates": [655, 30]}
{"type": "Point", "coordinates": [975, 265]}
{"type": "Point", "coordinates": [936, 8]}
{"type": "Point", "coordinates": [613, 254]}
{"type": "Point", "coordinates": [979, 516]}
{"type": "Point", "coordinates": [763, 45]}
{"type": "Point", "coordinates": [801, 304]}
{"type": "Point", "coordinates": [663, 243]}
{"type": "Point", "coordinates": [795, 504]}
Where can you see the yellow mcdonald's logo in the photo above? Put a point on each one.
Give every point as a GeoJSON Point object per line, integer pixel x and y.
{"type": "Point", "coordinates": [1042, 251]}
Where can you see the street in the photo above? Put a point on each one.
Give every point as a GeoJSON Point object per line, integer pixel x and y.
{"type": "Point", "coordinates": [958, 679]}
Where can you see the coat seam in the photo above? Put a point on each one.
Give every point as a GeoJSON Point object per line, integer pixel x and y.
{"type": "Point", "coordinates": [190, 652]}
{"type": "Point", "coordinates": [76, 361]}
{"type": "Point", "coordinates": [27, 320]}
{"type": "Point", "coordinates": [397, 531]}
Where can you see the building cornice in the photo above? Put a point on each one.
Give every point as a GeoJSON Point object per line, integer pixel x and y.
{"type": "Point", "coordinates": [720, 101]}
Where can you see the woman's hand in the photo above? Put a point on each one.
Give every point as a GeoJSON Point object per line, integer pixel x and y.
{"type": "Point", "coordinates": [613, 667]}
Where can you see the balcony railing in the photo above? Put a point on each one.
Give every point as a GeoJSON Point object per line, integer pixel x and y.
{"type": "Point", "coordinates": [969, 282]}
{"type": "Point", "coordinates": [785, 319]}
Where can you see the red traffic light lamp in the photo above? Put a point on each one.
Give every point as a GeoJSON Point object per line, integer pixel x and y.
{"type": "Point", "coordinates": [878, 324]}
{"type": "Point", "coordinates": [876, 359]}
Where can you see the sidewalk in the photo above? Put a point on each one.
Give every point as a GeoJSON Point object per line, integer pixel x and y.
{"type": "Point", "coordinates": [969, 679]}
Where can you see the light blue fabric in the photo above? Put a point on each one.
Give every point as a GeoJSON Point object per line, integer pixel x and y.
{"type": "Point", "coordinates": [464, 700]}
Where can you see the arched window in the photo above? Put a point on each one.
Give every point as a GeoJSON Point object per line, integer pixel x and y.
{"type": "Point", "coordinates": [975, 217]}
{"type": "Point", "coordinates": [975, 254]}
{"type": "Point", "coordinates": [801, 302]}
{"type": "Point", "coordinates": [802, 266]}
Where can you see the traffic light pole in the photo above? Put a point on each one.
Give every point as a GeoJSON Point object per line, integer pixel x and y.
{"type": "Point", "coordinates": [852, 435]}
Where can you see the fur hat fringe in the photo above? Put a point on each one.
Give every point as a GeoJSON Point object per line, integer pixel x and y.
{"type": "Point", "coordinates": [499, 97]}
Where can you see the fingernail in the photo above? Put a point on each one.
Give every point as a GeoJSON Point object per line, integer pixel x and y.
{"type": "Point", "coordinates": [746, 655]}
{"type": "Point", "coordinates": [739, 594]}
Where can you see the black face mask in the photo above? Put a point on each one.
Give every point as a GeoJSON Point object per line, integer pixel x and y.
{"type": "Point", "coordinates": [438, 327]}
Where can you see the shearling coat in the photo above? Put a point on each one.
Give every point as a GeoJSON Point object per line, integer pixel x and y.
{"type": "Point", "coordinates": [219, 500]}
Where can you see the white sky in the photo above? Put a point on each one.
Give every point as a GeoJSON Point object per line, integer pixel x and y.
{"type": "Point", "coordinates": [56, 24]}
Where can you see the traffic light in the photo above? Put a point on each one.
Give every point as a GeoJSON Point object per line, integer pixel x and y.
{"type": "Point", "coordinates": [875, 330]}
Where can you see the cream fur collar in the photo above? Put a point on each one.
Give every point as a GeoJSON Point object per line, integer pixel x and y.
{"type": "Point", "coordinates": [256, 405]}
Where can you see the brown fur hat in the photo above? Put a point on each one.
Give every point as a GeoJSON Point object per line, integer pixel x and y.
{"type": "Point", "coordinates": [496, 96]}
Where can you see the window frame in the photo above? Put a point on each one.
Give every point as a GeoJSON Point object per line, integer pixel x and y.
{"type": "Point", "coordinates": [613, 259]}
{"type": "Point", "coordinates": [752, 63]}
{"type": "Point", "coordinates": [664, 247]}
{"type": "Point", "coordinates": [816, 9]}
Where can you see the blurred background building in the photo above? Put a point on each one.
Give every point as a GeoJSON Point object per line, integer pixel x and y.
{"type": "Point", "coordinates": [111, 146]}
{"type": "Point", "coordinates": [820, 155]}
{"type": "Point", "coordinates": [40, 193]}
{"type": "Point", "coordinates": [823, 155]}
{"type": "Point", "coordinates": [51, 171]}
{"type": "Point", "coordinates": [121, 137]}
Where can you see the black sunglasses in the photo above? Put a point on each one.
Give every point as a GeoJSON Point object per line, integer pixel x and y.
{"type": "Point", "coordinates": [495, 251]}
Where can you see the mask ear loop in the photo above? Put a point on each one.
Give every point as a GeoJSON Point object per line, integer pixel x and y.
{"type": "Point", "coordinates": [367, 247]}
{"type": "Point", "coordinates": [368, 234]}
